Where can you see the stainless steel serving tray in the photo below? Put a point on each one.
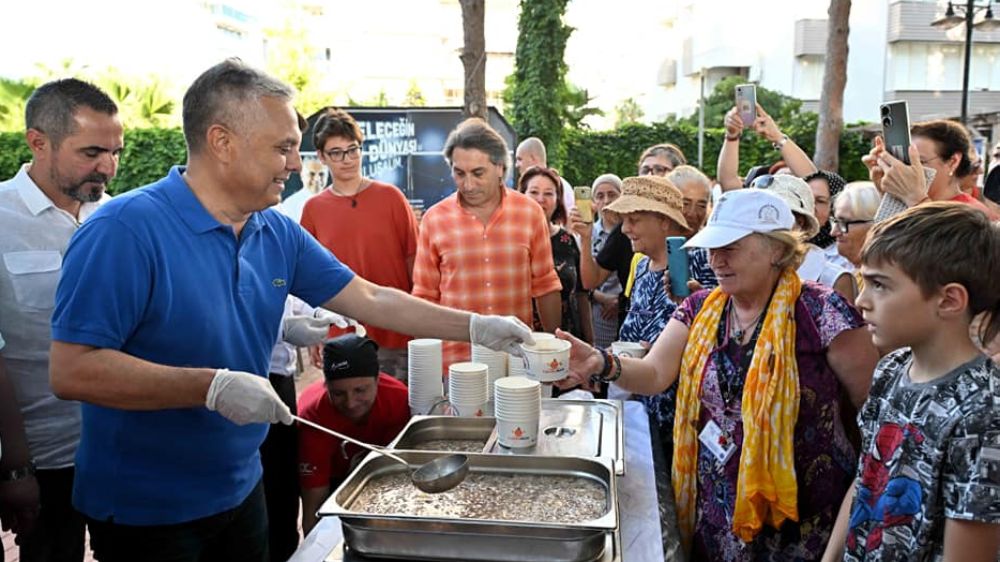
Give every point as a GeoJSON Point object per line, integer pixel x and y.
{"type": "Point", "coordinates": [567, 428]}
{"type": "Point", "coordinates": [439, 538]}
{"type": "Point", "coordinates": [421, 429]}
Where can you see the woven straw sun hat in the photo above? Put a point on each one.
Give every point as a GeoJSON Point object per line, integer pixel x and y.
{"type": "Point", "coordinates": [649, 193]}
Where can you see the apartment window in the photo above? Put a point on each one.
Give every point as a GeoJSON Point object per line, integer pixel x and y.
{"type": "Point", "coordinates": [808, 76]}
{"type": "Point", "coordinates": [938, 66]}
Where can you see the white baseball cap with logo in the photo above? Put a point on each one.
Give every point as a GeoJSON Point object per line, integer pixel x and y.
{"type": "Point", "coordinates": [741, 213]}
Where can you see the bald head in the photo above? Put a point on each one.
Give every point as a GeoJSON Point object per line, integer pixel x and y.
{"type": "Point", "coordinates": [531, 152]}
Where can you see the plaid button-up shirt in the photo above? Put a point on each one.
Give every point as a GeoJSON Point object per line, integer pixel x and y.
{"type": "Point", "coordinates": [493, 269]}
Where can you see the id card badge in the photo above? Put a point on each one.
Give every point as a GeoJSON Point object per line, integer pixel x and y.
{"type": "Point", "coordinates": [717, 442]}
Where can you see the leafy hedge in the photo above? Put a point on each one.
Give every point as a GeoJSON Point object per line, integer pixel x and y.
{"type": "Point", "coordinates": [589, 154]}
{"type": "Point", "coordinates": [148, 155]}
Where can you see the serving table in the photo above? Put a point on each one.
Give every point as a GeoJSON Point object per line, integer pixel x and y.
{"type": "Point", "coordinates": [639, 537]}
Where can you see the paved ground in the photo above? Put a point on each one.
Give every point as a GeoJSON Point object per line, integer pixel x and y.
{"type": "Point", "coordinates": [308, 376]}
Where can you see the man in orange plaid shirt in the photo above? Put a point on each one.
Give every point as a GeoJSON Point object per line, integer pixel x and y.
{"type": "Point", "coordinates": [485, 248]}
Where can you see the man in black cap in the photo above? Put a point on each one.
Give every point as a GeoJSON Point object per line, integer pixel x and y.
{"type": "Point", "coordinates": [354, 399]}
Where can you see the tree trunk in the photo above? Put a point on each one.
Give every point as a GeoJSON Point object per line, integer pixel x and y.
{"type": "Point", "coordinates": [474, 57]}
{"type": "Point", "coordinates": [831, 101]}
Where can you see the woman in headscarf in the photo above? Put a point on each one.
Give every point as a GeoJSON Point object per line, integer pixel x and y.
{"type": "Point", "coordinates": [825, 187]}
{"type": "Point", "coordinates": [604, 299]}
{"type": "Point", "coordinates": [761, 458]}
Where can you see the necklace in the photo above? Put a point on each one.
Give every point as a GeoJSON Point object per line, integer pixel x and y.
{"type": "Point", "coordinates": [738, 332]}
{"type": "Point", "coordinates": [354, 197]}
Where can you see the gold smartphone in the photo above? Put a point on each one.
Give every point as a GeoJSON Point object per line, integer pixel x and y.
{"type": "Point", "coordinates": [583, 195]}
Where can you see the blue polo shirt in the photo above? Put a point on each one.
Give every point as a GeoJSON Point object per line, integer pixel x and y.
{"type": "Point", "coordinates": [153, 275]}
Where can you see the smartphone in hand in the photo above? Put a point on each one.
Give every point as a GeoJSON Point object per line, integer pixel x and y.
{"type": "Point", "coordinates": [583, 195]}
{"type": "Point", "coordinates": [895, 116]}
{"type": "Point", "coordinates": [677, 266]}
{"type": "Point", "coordinates": [746, 103]}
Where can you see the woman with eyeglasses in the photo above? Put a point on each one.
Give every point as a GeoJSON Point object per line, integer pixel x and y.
{"type": "Point", "coordinates": [853, 215]}
{"type": "Point", "coordinates": [941, 145]}
{"type": "Point", "coordinates": [368, 224]}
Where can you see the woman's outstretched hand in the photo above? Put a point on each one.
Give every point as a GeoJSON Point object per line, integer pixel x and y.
{"type": "Point", "coordinates": [584, 361]}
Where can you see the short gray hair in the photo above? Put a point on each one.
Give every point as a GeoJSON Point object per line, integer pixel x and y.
{"type": "Point", "coordinates": [861, 198]}
{"type": "Point", "coordinates": [684, 174]}
{"type": "Point", "coordinates": [607, 178]}
{"type": "Point", "coordinates": [220, 96]}
{"type": "Point", "coordinates": [476, 134]}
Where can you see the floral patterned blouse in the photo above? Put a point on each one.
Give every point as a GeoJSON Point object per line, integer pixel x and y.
{"type": "Point", "coordinates": [825, 459]}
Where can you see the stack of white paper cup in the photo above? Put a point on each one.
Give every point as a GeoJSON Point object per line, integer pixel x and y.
{"type": "Point", "coordinates": [424, 375]}
{"type": "Point", "coordinates": [468, 388]}
{"type": "Point", "coordinates": [495, 361]}
{"type": "Point", "coordinates": [517, 409]}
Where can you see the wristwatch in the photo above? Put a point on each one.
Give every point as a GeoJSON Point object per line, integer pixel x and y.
{"type": "Point", "coordinates": [780, 143]}
{"type": "Point", "coordinates": [15, 474]}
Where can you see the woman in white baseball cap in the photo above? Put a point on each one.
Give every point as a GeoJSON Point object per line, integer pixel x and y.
{"type": "Point", "coordinates": [761, 456]}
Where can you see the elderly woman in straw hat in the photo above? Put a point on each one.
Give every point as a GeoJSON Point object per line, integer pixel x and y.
{"type": "Point", "coordinates": [761, 458]}
{"type": "Point", "coordinates": [650, 209]}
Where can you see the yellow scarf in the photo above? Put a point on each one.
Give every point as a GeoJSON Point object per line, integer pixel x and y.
{"type": "Point", "coordinates": [766, 489]}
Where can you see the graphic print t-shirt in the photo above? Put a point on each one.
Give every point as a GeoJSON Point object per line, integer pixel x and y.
{"type": "Point", "coordinates": [930, 452]}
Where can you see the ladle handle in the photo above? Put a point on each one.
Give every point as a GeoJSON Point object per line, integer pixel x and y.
{"type": "Point", "coordinates": [362, 444]}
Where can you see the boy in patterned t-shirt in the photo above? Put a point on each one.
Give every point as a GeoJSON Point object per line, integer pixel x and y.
{"type": "Point", "coordinates": [928, 485]}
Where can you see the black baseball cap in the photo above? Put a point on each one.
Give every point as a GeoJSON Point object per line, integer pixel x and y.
{"type": "Point", "coordinates": [350, 356]}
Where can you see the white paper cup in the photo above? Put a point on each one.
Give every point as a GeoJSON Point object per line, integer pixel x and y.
{"type": "Point", "coordinates": [547, 360]}
{"type": "Point", "coordinates": [468, 410]}
{"type": "Point", "coordinates": [628, 349]}
{"type": "Point", "coordinates": [517, 434]}
{"type": "Point", "coordinates": [542, 336]}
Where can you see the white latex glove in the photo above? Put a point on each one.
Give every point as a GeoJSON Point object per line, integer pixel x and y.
{"type": "Point", "coordinates": [303, 331]}
{"type": "Point", "coordinates": [499, 333]}
{"type": "Point", "coordinates": [340, 321]}
{"type": "Point", "coordinates": [246, 398]}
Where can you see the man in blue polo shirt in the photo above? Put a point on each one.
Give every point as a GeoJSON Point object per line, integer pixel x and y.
{"type": "Point", "coordinates": [169, 304]}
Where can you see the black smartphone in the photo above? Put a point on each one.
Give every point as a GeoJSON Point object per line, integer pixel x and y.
{"type": "Point", "coordinates": [895, 117]}
{"type": "Point", "coordinates": [746, 103]}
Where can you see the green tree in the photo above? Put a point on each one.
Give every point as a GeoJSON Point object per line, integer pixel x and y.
{"type": "Point", "coordinates": [721, 100]}
{"type": "Point", "coordinates": [414, 97]}
{"type": "Point", "coordinates": [292, 59]}
{"type": "Point", "coordinates": [628, 111]}
{"type": "Point", "coordinates": [14, 95]}
{"type": "Point", "coordinates": [576, 107]}
{"type": "Point", "coordinates": [537, 93]}
{"type": "Point", "coordinates": [142, 102]}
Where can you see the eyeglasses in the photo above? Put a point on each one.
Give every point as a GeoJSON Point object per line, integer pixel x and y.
{"type": "Point", "coordinates": [338, 155]}
{"type": "Point", "coordinates": [655, 169]}
{"type": "Point", "coordinates": [845, 225]}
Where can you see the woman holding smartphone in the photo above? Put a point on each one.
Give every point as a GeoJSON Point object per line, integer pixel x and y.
{"type": "Point", "coordinates": [545, 186]}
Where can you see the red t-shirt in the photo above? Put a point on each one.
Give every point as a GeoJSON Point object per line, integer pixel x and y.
{"type": "Point", "coordinates": [321, 461]}
{"type": "Point", "coordinates": [374, 238]}
{"type": "Point", "coordinates": [970, 200]}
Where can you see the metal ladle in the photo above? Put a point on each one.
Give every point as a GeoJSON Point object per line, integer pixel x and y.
{"type": "Point", "coordinates": [434, 477]}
